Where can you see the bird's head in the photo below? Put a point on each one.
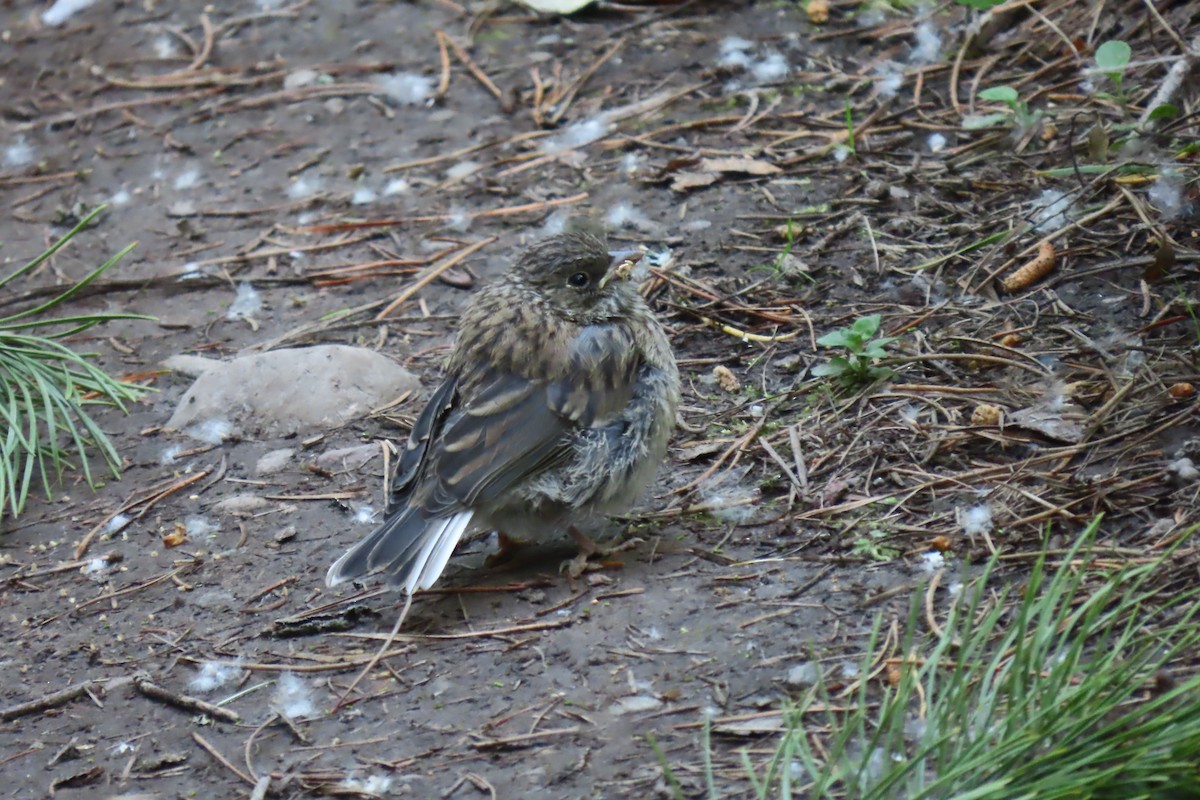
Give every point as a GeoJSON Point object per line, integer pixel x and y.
{"type": "Point", "coordinates": [577, 273]}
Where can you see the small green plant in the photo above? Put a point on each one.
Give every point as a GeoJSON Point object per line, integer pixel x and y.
{"type": "Point", "coordinates": [863, 348]}
{"type": "Point", "coordinates": [871, 546]}
{"type": "Point", "coordinates": [1112, 58]}
{"type": "Point", "coordinates": [45, 388]}
{"type": "Point", "coordinates": [1018, 113]}
{"type": "Point", "coordinates": [849, 113]}
{"type": "Point", "coordinates": [981, 5]}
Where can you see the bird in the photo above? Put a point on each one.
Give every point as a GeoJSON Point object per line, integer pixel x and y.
{"type": "Point", "coordinates": [557, 405]}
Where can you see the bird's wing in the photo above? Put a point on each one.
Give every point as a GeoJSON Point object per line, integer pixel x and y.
{"type": "Point", "coordinates": [424, 430]}
{"type": "Point", "coordinates": [514, 426]}
{"type": "Point", "coordinates": [463, 453]}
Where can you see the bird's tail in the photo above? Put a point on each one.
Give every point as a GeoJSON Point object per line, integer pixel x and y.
{"type": "Point", "coordinates": [411, 548]}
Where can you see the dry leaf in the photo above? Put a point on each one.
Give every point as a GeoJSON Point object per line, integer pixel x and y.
{"type": "Point", "coordinates": [986, 415]}
{"type": "Point", "coordinates": [685, 181]}
{"type": "Point", "coordinates": [556, 6]}
{"type": "Point", "coordinates": [726, 379]}
{"type": "Point", "coordinates": [747, 166]}
{"type": "Point", "coordinates": [818, 11]}
{"type": "Point", "coordinates": [1062, 422]}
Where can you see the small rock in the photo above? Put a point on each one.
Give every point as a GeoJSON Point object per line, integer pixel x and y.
{"type": "Point", "coordinates": [283, 392]}
{"type": "Point", "coordinates": [347, 459]}
{"type": "Point", "coordinates": [301, 77]}
{"type": "Point", "coordinates": [241, 504]}
{"type": "Point", "coordinates": [805, 674]}
{"type": "Point", "coordinates": [635, 704]}
{"type": "Point", "coordinates": [274, 461]}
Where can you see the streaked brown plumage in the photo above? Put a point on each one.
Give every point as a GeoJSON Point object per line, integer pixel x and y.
{"type": "Point", "coordinates": [557, 403]}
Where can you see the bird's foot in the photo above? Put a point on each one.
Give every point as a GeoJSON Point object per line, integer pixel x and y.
{"type": "Point", "coordinates": [588, 549]}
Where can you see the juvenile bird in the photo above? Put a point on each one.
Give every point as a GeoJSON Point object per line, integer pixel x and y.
{"type": "Point", "coordinates": [557, 403]}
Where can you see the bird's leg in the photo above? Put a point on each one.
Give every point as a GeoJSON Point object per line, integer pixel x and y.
{"type": "Point", "coordinates": [507, 549]}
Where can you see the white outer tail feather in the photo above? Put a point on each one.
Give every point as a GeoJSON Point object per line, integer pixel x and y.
{"type": "Point", "coordinates": [436, 552]}
{"type": "Point", "coordinates": [441, 537]}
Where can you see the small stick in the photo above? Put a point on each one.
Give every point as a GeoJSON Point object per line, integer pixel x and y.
{"type": "Point", "coordinates": [205, 49]}
{"type": "Point", "coordinates": [493, 212]}
{"type": "Point", "coordinates": [473, 68]}
{"type": "Point", "coordinates": [432, 274]}
{"type": "Point", "coordinates": [188, 703]}
{"type": "Point", "coordinates": [444, 55]}
{"type": "Point", "coordinates": [52, 700]}
{"type": "Point", "coordinates": [370, 665]}
{"type": "Point", "coordinates": [215, 753]}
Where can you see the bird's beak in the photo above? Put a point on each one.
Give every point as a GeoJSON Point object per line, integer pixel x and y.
{"type": "Point", "coordinates": [620, 264]}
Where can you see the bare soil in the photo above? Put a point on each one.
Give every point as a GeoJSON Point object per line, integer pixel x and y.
{"type": "Point", "coordinates": [793, 512]}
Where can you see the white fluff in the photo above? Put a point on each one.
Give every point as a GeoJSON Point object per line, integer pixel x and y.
{"type": "Point", "coordinates": [96, 568]}
{"type": "Point", "coordinates": [462, 169]}
{"type": "Point", "coordinates": [1166, 193]}
{"type": "Point", "coordinates": [164, 46]}
{"type": "Point", "coordinates": [199, 528]}
{"type": "Point", "coordinates": [364, 514]}
{"type": "Point", "coordinates": [395, 186]}
{"type": "Point", "coordinates": [303, 187]}
{"type": "Point", "coordinates": [363, 196]}
{"type": "Point", "coordinates": [555, 224]}
{"type": "Point", "coordinates": [213, 675]}
{"type": "Point", "coordinates": [293, 697]}
{"type": "Point", "coordinates": [929, 44]}
{"type": "Point", "coordinates": [406, 88]}
{"type": "Point", "coordinates": [937, 142]}
{"type": "Point", "coordinates": [771, 68]}
{"type": "Point", "coordinates": [116, 523]}
{"type": "Point", "coordinates": [247, 303]}
{"type": "Point", "coordinates": [211, 431]}
{"type": "Point", "coordinates": [578, 135]}
{"type": "Point", "coordinates": [735, 52]}
{"type": "Point", "coordinates": [187, 179]}
{"type": "Point", "coordinates": [932, 561]}
{"type": "Point", "coordinates": [170, 455]}
{"type": "Point", "coordinates": [977, 520]}
{"type": "Point", "coordinates": [19, 154]}
{"type": "Point", "coordinates": [888, 79]}
{"type": "Point", "coordinates": [626, 215]}
{"type": "Point", "coordinates": [1052, 211]}
{"type": "Point", "coordinates": [121, 198]}
{"type": "Point", "coordinates": [62, 10]}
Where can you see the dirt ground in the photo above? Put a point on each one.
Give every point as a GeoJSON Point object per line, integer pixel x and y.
{"type": "Point", "coordinates": [792, 514]}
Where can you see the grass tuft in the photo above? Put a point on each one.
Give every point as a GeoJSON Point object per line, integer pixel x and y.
{"type": "Point", "coordinates": [46, 388]}
{"type": "Point", "coordinates": [1081, 684]}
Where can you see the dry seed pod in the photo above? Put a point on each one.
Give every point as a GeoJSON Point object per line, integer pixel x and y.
{"type": "Point", "coordinates": [986, 415]}
{"type": "Point", "coordinates": [1032, 272]}
{"type": "Point", "coordinates": [726, 379]}
{"type": "Point", "coordinates": [941, 543]}
{"type": "Point", "coordinates": [818, 11]}
{"type": "Point", "coordinates": [1182, 391]}
{"type": "Point", "coordinates": [1010, 340]}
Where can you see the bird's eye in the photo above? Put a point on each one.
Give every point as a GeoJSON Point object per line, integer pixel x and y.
{"type": "Point", "coordinates": [579, 280]}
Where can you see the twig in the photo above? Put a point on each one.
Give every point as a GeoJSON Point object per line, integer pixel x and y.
{"type": "Point", "coordinates": [46, 702]}
{"type": "Point", "coordinates": [431, 275]}
{"type": "Point", "coordinates": [193, 704]}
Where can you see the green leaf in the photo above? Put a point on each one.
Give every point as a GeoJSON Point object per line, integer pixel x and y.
{"type": "Point", "coordinates": [1113, 57]}
{"type": "Point", "coordinates": [1001, 94]}
{"type": "Point", "coordinates": [866, 327]}
{"type": "Point", "coordinates": [835, 366]}
{"type": "Point", "coordinates": [842, 337]}
{"type": "Point", "coordinates": [973, 122]}
{"type": "Point", "coordinates": [981, 5]}
{"type": "Point", "coordinates": [1165, 111]}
